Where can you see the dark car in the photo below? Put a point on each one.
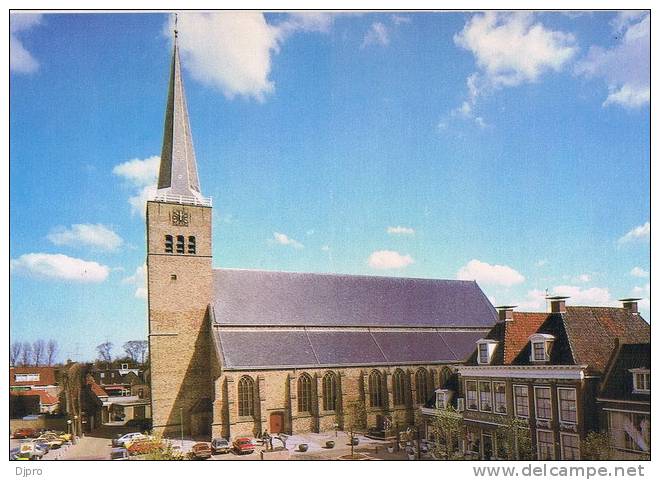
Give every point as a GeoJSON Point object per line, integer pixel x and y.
{"type": "Point", "coordinates": [220, 445]}
{"type": "Point", "coordinates": [243, 445]}
{"type": "Point", "coordinates": [141, 424]}
{"type": "Point", "coordinates": [200, 451]}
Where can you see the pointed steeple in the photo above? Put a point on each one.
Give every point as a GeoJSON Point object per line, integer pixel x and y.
{"type": "Point", "coordinates": [178, 167]}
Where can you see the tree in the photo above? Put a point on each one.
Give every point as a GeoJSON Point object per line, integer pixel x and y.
{"type": "Point", "coordinates": [26, 354]}
{"type": "Point", "coordinates": [15, 353]}
{"type": "Point", "coordinates": [38, 350]}
{"type": "Point", "coordinates": [357, 417]}
{"type": "Point", "coordinates": [136, 350]}
{"type": "Point", "coordinates": [105, 351]}
{"type": "Point", "coordinates": [596, 446]}
{"type": "Point", "coordinates": [514, 439]}
{"type": "Point", "coordinates": [448, 426]}
{"type": "Point", "coordinates": [51, 352]}
{"type": "Point", "coordinates": [73, 377]}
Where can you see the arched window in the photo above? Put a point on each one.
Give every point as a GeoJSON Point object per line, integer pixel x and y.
{"type": "Point", "coordinates": [245, 397]}
{"type": "Point", "coordinates": [179, 244]}
{"type": "Point", "coordinates": [329, 391]}
{"type": "Point", "coordinates": [304, 393]}
{"type": "Point", "coordinates": [399, 386]}
{"type": "Point", "coordinates": [376, 389]}
{"type": "Point", "coordinates": [192, 247]}
{"type": "Point", "coordinates": [168, 244]}
{"type": "Point", "coordinates": [422, 384]}
{"type": "Point", "coordinates": [445, 376]}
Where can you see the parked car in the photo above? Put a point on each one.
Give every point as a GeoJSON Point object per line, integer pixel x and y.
{"type": "Point", "coordinates": [220, 445]}
{"type": "Point", "coordinates": [243, 445]}
{"type": "Point", "coordinates": [31, 450]}
{"type": "Point", "coordinates": [119, 453]}
{"type": "Point", "coordinates": [200, 451]}
{"type": "Point", "coordinates": [15, 454]}
{"type": "Point", "coordinates": [42, 444]}
{"type": "Point", "coordinates": [142, 424]}
{"type": "Point", "coordinates": [119, 417]}
{"type": "Point", "coordinates": [53, 441]}
{"type": "Point", "coordinates": [121, 440]}
{"type": "Point", "coordinates": [25, 433]}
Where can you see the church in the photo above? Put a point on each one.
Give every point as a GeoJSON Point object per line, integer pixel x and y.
{"type": "Point", "coordinates": [240, 352]}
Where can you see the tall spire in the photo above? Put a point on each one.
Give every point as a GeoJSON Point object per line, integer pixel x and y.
{"type": "Point", "coordinates": [178, 167]}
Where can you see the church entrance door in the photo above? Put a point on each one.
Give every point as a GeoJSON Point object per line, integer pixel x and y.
{"type": "Point", "coordinates": [276, 422]}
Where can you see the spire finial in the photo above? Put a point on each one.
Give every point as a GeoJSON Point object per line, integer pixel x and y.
{"type": "Point", "coordinates": [176, 20]}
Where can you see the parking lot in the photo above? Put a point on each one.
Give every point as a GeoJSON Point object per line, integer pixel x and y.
{"type": "Point", "coordinates": [98, 445]}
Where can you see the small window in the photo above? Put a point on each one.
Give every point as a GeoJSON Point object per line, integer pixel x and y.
{"type": "Point", "coordinates": [168, 244]}
{"type": "Point", "coordinates": [642, 381]}
{"type": "Point", "coordinates": [375, 389]}
{"type": "Point", "coordinates": [192, 248]}
{"type": "Point", "coordinates": [179, 244]}
{"type": "Point", "coordinates": [567, 405]}
{"type": "Point", "coordinates": [441, 400]}
{"type": "Point", "coordinates": [500, 397]}
{"type": "Point", "coordinates": [543, 403]}
{"type": "Point", "coordinates": [305, 393]}
{"type": "Point", "coordinates": [471, 395]}
{"type": "Point", "coordinates": [124, 366]}
{"type": "Point", "coordinates": [570, 447]}
{"type": "Point", "coordinates": [539, 351]}
{"type": "Point", "coordinates": [399, 386]}
{"type": "Point", "coordinates": [485, 397]}
{"type": "Point", "coordinates": [483, 353]}
{"type": "Point", "coordinates": [546, 445]}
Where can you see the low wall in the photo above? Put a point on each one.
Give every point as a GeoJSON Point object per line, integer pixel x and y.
{"type": "Point", "coordinates": [50, 423]}
{"type": "Point", "coordinates": [282, 454]}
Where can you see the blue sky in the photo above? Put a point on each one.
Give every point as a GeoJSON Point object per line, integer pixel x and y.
{"type": "Point", "coordinates": [508, 148]}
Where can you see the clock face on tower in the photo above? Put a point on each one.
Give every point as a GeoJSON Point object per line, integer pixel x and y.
{"type": "Point", "coordinates": [180, 218]}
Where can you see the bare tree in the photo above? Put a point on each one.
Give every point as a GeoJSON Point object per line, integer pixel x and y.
{"type": "Point", "coordinates": [51, 352]}
{"type": "Point", "coordinates": [38, 350]}
{"type": "Point", "coordinates": [26, 354]}
{"type": "Point", "coordinates": [136, 350]}
{"type": "Point", "coordinates": [105, 351]}
{"type": "Point", "coordinates": [15, 353]}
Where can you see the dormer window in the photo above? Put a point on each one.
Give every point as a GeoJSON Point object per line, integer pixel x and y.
{"type": "Point", "coordinates": [485, 350]}
{"type": "Point", "coordinates": [641, 380]}
{"type": "Point", "coordinates": [442, 398]}
{"type": "Point", "coordinates": [541, 343]}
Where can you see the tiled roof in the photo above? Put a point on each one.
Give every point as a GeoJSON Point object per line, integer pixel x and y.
{"type": "Point", "coordinates": [619, 380]}
{"type": "Point", "coordinates": [46, 376]}
{"type": "Point", "coordinates": [314, 347]}
{"type": "Point", "coordinates": [96, 388]}
{"type": "Point", "coordinates": [45, 398]}
{"type": "Point", "coordinates": [583, 336]}
{"type": "Point", "coordinates": [251, 297]}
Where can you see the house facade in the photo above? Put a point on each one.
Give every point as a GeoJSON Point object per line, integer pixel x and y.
{"type": "Point", "coordinates": [544, 371]}
{"type": "Point", "coordinates": [624, 401]}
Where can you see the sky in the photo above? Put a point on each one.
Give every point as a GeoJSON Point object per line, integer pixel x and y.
{"type": "Point", "coordinates": [507, 148]}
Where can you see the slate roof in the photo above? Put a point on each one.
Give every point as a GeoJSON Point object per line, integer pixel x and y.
{"type": "Point", "coordinates": [618, 383]}
{"type": "Point", "coordinates": [583, 336]}
{"type": "Point", "coordinates": [278, 319]}
{"type": "Point", "coordinates": [253, 297]}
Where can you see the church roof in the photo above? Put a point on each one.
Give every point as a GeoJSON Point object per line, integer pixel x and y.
{"type": "Point", "coordinates": [255, 297]}
{"type": "Point", "coordinates": [277, 319]}
{"type": "Point", "coordinates": [178, 166]}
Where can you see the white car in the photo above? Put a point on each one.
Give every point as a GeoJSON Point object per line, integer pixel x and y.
{"type": "Point", "coordinates": [127, 438]}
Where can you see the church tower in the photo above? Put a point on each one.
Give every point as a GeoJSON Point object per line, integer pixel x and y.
{"type": "Point", "coordinates": [179, 277]}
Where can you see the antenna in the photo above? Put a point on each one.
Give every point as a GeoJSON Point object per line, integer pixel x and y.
{"type": "Point", "coordinates": [176, 21]}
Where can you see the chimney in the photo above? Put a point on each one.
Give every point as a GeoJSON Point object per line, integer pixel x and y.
{"type": "Point", "coordinates": [557, 304]}
{"type": "Point", "coordinates": [630, 304]}
{"type": "Point", "coordinates": [505, 312]}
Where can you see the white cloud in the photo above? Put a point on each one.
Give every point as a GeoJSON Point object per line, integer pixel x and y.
{"type": "Point", "coordinates": [400, 230]}
{"type": "Point", "coordinates": [139, 172]}
{"type": "Point", "coordinates": [376, 35]}
{"type": "Point", "coordinates": [593, 296]}
{"type": "Point", "coordinates": [59, 267]}
{"type": "Point", "coordinates": [584, 278]}
{"type": "Point", "coordinates": [534, 300]}
{"type": "Point", "coordinates": [139, 279]}
{"type": "Point", "coordinates": [541, 263]}
{"type": "Point", "coordinates": [510, 49]}
{"type": "Point", "coordinates": [626, 66]}
{"type": "Point", "coordinates": [400, 19]}
{"type": "Point", "coordinates": [141, 175]}
{"type": "Point", "coordinates": [233, 51]}
{"type": "Point", "coordinates": [97, 236]}
{"type": "Point", "coordinates": [488, 274]}
{"type": "Point", "coordinates": [389, 259]}
{"type": "Point", "coordinates": [639, 233]}
{"type": "Point", "coordinates": [283, 239]}
{"type": "Point", "coordinates": [639, 272]}
{"type": "Point", "coordinates": [325, 248]}
{"type": "Point", "coordinates": [20, 60]}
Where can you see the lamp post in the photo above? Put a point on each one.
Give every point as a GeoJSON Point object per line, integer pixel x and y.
{"type": "Point", "coordinates": [68, 426]}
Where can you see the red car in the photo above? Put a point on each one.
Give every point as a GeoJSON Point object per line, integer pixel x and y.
{"type": "Point", "coordinates": [243, 445]}
{"type": "Point", "coordinates": [25, 433]}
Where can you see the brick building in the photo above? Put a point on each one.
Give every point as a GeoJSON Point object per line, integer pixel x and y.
{"type": "Point", "coordinates": [238, 352]}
